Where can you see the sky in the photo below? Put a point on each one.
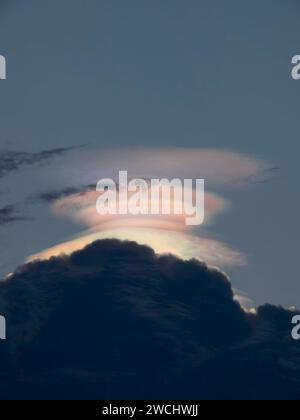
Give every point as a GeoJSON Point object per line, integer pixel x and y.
{"type": "Point", "coordinates": [84, 77]}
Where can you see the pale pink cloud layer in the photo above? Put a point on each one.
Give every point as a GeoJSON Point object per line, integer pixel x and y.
{"type": "Point", "coordinates": [220, 168]}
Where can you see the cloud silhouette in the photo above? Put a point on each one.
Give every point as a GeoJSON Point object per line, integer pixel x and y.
{"type": "Point", "coordinates": [11, 161]}
{"type": "Point", "coordinates": [9, 214]}
{"type": "Point", "coordinates": [54, 195]}
{"type": "Point", "coordinates": [115, 320]}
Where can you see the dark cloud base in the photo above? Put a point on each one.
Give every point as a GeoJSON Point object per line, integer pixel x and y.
{"type": "Point", "coordinates": [116, 321]}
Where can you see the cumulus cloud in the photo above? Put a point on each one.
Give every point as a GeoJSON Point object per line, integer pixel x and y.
{"type": "Point", "coordinates": [115, 320]}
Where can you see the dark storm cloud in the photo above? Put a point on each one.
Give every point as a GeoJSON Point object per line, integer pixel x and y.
{"type": "Point", "coordinates": [115, 320]}
{"type": "Point", "coordinates": [11, 161]}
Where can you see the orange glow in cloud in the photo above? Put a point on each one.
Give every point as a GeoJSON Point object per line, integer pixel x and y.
{"type": "Point", "coordinates": [163, 233]}
{"type": "Point", "coordinates": [81, 208]}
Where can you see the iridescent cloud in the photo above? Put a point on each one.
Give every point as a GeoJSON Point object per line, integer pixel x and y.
{"type": "Point", "coordinates": [221, 170]}
{"type": "Point", "coordinates": [186, 246]}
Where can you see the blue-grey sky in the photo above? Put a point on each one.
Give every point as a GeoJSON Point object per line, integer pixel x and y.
{"type": "Point", "coordinates": [195, 73]}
